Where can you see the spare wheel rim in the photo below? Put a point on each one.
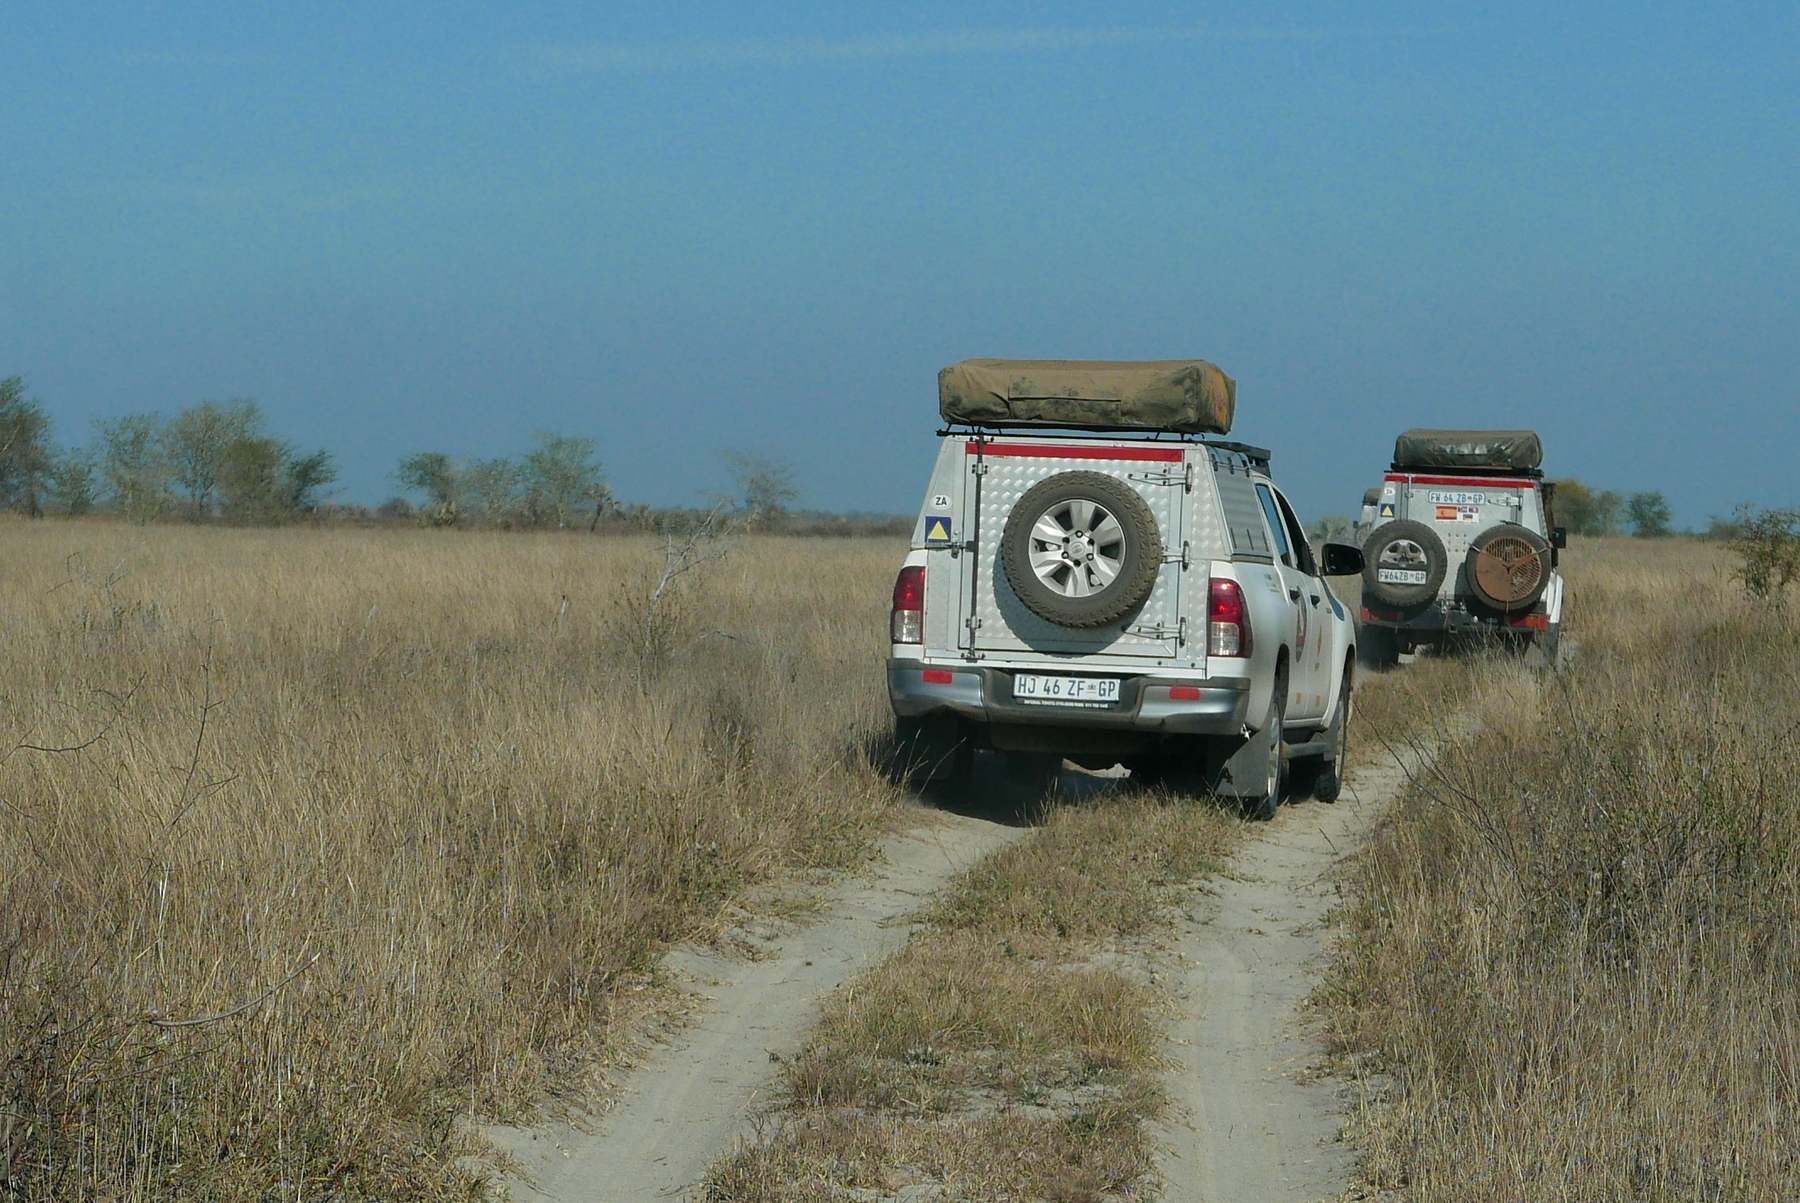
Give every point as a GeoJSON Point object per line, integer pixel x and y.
{"type": "Point", "coordinates": [1403, 553]}
{"type": "Point", "coordinates": [1077, 547]}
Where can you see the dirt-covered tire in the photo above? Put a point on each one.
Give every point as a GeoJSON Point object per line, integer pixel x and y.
{"type": "Point", "coordinates": [1317, 776]}
{"type": "Point", "coordinates": [1330, 782]}
{"type": "Point", "coordinates": [1033, 773]}
{"type": "Point", "coordinates": [1508, 567]}
{"type": "Point", "coordinates": [1148, 772]}
{"type": "Point", "coordinates": [1377, 647]}
{"type": "Point", "coordinates": [931, 751]}
{"type": "Point", "coordinates": [1409, 547]}
{"type": "Point", "coordinates": [1262, 808]}
{"type": "Point", "coordinates": [1547, 649]}
{"type": "Point", "coordinates": [1081, 549]}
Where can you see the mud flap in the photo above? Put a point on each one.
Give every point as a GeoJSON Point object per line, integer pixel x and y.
{"type": "Point", "coordinates": [1244, 772]}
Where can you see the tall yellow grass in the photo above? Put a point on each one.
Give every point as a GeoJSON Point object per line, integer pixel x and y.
{"type": "Point", "coordinates": [1574, 947]}
{"type": "Point", "coordinates": [351, 832]}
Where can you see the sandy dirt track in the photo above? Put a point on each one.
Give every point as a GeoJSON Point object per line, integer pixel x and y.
{"type": "Point", "coordinates": [1251, 1119]}
{"type": "Point", "coordinates": [696, 1095]}
{"type": "Point", "coordinates": [1248, 1122]}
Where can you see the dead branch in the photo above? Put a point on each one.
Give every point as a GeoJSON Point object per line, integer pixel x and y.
{"type": "Point", "coordinates": [200, 1020]}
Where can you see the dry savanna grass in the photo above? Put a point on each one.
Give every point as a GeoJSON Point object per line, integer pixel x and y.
{"type": "Point", "coordinates": [311, 841]}
{"type": "Point", "coordinates": [1573, 946]}
{"type": "Point", "coordinates": [1012, 1050]}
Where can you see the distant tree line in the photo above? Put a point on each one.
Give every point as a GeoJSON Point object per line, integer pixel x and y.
{"type": "Point", "coordinates": [556, 485]}
{"type": "Point", "coordinates": [559, 484]}
{"type": "Point", "coordinates": [1583, 511]}
{"type": "Point", "coordinates": [216, 461]}
{"type": "Point", "coordinates": [209, 461]}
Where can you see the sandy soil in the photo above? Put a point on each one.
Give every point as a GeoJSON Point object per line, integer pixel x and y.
{"type": "Point", "coordinates": [696, 1095]}
{"type": "Point", "coordinates": [1252, 1120]}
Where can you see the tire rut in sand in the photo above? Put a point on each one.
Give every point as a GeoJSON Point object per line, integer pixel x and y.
{"type": "Point", "coordinates": [1248, 1124]}
{"type": "Point", "coordinates": [695, 1095]}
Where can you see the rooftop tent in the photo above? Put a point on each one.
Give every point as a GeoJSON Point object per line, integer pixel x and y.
{"type": "Point", "coordinates": [1183, 396]}
{"type": "Point", "coordinates": [1509, 450]}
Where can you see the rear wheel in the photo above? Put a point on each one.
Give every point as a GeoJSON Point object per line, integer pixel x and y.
{"type": "Point", "coordinates": [1330, 783]}
{"type": "Point", "coordinates": [1548, 649]}
{"type": "Point", "coordinates": [1033, 771]}
{"type": "Point", "coordinates": [1148, 772]}
{"type": "Point", "coordinates": [1262, 808]}
{"type": "Point", "coordinates": [1378, 647]}
{"type": "Point", "coordinates": [932, 750]}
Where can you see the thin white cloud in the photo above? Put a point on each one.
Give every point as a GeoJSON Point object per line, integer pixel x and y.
{"type": "Point", "coordinates": [594, 57]}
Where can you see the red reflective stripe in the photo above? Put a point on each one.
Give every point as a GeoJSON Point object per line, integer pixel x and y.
{"type": "Point", "coordinates": [936, 676]}
{"type": "Point", "coordinates": [1165, 455]}
{"type": "Point", "coordinates": [1484, 481]}
{"type": "Point", "coordinates": [1184, 693]}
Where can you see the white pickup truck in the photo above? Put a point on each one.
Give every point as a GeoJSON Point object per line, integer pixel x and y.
{"type": "Point", "coordinates": [1092, 578]}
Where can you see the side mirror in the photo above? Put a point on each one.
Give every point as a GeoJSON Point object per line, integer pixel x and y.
{"type": "Point", "coordinates": [1341, 559]}
{"type": "Point", "coordinates": [1559, 537]}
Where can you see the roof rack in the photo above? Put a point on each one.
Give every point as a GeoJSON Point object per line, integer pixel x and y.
{"type": "Point", "coordinates": [1258, 456]}
{"type": "Point", "coordinates": [1428, 470]}
{"type": "Point", "coordinates": [1023, 430]}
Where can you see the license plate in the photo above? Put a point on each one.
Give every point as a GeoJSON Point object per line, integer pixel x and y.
{"type": "Point", "coordinates": [1401, 576]}
{"type": "Point", "coordinates": [1092, 691]}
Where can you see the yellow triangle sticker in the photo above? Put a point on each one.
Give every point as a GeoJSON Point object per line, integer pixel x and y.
{"type": "Point", "coordinates": [937, 530]}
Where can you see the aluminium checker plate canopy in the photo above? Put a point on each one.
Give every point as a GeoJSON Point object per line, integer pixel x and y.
{"type": "Point", "coordinates": [998, 474]}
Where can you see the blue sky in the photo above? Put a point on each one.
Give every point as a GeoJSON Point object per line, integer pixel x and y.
{"type": "Point", "coordinates": [685, 228]}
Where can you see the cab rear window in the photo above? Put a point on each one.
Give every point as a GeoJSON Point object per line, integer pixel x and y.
{"type": "Point", "coordinates": [1277, 531]}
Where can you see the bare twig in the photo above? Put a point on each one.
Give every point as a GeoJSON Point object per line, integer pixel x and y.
{"type": "Point", "coordinates": [24, 746]}
{"type": "Point", "coordinates": [199, 1020]}
{"type": "Point", "coordinates": [192, 795]}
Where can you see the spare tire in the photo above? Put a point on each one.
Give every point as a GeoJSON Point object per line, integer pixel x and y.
{"type": "Point", "coordinates": [1403, 563]}
{"type": "Point", "coordinates": [1081, 549]}
{"type": "Point", "coordinates": [1508, 567]}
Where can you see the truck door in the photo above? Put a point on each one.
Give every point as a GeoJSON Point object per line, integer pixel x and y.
{"type": "Point", "coordinates": [1320, 653]}
{"type": "Point", "coordinates": [1308, 633]}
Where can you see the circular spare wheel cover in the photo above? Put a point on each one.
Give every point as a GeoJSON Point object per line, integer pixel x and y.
{"type": "Point", "coordinates": [1403, 563]}
{"type": "Point", "coordinates": [1508, 566]}
{"type": "Point", "coordinates": [1081, 549]}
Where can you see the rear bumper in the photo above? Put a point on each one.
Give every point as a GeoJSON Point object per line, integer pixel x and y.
{"type": "Point", "coordinates": [984, 695]}
{"type": "Point", "coordinates": [1443, 618]}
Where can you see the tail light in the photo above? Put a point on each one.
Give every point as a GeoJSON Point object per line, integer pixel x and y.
{"type": "Point", "coordinates": [1227, 622]}
{"type": "Point", "coordinates": [907, 623]}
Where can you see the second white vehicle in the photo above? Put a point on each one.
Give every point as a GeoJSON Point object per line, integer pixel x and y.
{"type": "Point", "coordinates": [1092, 578]}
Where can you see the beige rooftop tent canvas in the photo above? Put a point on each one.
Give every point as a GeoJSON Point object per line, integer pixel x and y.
{"type": "Point", "coordinates": [1184, 396]}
